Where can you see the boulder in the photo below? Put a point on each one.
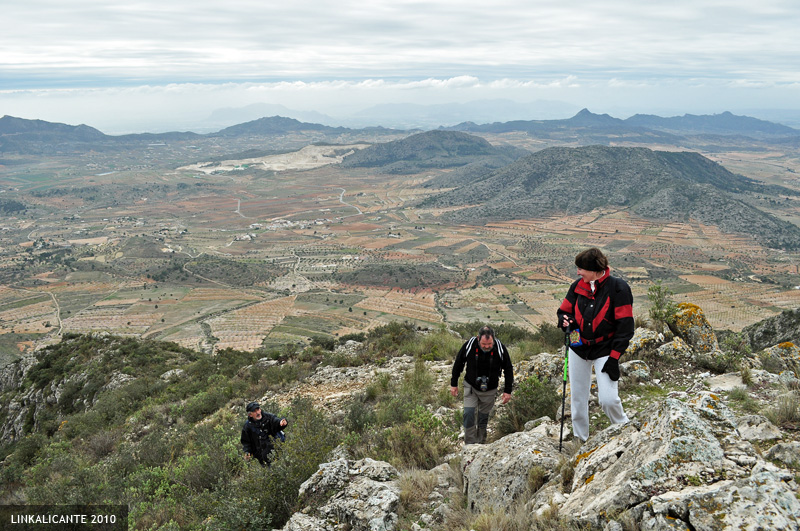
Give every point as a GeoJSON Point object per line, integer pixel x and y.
{"type": "Point", "coordinates": [362, 494]}
{"type": "Point", "coordinates": [676, 349]}
{"type": "Point", "coordinates": [496, 474]}
{"type": "Point", "coordinates": [548, 368]}
{"type": "Point", "coordinates": [691, 325]}
{"type": "Point", "coordinates": [782, 357]}
{"type": "Point", "coordinates": [636, 369]}
{"type": "Point", "coordinates": [786, 453]}
{"type": "Point", "coordinates": [763, 500]}
{"type": "Point", "coordinates": [687, 456]}
{"type": "Point", "coordinates": [644, 341]}
{"type": "Point", "coordinates": [757, 428]}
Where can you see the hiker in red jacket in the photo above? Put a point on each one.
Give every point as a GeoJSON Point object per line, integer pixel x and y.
{"type": "Point", "coordinates": [598, 313]}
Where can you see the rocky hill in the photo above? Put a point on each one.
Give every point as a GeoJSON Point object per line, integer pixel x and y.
{"type": "Point", "coordinates": [373, 440]}
{"type": "Point", "coordinates": [432, 149]}
{"type": "Point", "coordinates": [657, 185]}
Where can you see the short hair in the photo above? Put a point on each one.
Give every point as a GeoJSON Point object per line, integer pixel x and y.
{"type": "Point", "coordinates": [592, 260]}
{"type": "Point", "coordinates": [485, 330]}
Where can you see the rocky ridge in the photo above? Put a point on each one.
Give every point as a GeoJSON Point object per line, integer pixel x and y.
{"type": "Point", "coordinates": [687, 460]}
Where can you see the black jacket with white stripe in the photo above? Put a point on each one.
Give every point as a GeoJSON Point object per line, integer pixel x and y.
{"type": "Point", "coordinates": [481, 363]}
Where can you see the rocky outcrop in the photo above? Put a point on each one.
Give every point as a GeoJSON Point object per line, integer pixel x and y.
{"type": "Point", "coordinates": [782, 357]}
{"type": "Point", "coordinates": [691, 325]}
{"type": "Point", "coordinates": [361, 495]}
{"type": "Point", "coordinates": [683, 461]}
{"type": "Point", "coordinates": [497, 474]}
{"type": "Point", "coordinates": [781, 328]}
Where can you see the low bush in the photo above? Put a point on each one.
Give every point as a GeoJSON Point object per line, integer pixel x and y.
{"type": "Point", "coordinates": [531, 400]}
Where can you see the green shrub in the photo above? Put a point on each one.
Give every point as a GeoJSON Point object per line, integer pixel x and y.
{"type": "Point", "coordinates": [360, 416]}
{"type": "Point", "coordinates": [531, 400]}
{"type": "Point", "coordinates": [309, 439]}
{"type": "Point", "coordinates": [437, 345]}
{"type": "Point", "coordinates": [360, 337]}
{"type": "Point", "coordinates": [662, 307]}
{"type": "Point", "coordinates": [421, 442]}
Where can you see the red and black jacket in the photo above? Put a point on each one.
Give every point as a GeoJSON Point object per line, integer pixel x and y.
{"type": "Point", "coordinates": [481, 363]}
{"type": "Point", "coordinates": [605, 317]}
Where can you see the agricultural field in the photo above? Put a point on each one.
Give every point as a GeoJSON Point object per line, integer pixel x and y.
{"type": "Point", "coordinates": [260, 253]}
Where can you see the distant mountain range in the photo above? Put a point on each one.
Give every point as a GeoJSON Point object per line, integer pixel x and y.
{"type": "Point", "coordinates": [640, 127]}
{"type": "Point", "coordinates": [39, 137]}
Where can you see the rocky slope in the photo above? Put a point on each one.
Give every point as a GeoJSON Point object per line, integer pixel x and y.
{"type": "Point", "coordinates": [689, 459]}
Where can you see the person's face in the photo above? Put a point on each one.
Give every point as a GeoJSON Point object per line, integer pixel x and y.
{"type": "Point", "coordinates": [589, 276]}
{"type": "Point", "coordinates": [255, 415]}
{"type": "Point", "coordinates": [486, 342]}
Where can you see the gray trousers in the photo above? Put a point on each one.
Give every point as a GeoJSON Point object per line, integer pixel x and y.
{"type": "Point", "coordinates": [483, 402]}
{"type": "Point", "coordinates": [580, 382]}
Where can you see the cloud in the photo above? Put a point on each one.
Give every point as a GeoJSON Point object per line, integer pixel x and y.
{"type": "Point", "coordinates": [181, 55]}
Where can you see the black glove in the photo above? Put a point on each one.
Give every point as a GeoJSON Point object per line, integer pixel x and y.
{"type": "Point", "coordinates": [611, 368]}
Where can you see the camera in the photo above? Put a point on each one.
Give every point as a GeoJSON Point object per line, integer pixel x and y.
{"type": "Point", "coordinates": [483, 383]}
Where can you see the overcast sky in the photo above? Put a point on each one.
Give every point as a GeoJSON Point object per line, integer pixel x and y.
{"type": "Point", "coordinates": [136, 65]}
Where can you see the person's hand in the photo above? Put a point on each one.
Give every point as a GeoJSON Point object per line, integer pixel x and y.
{"type": "Point", "coordinates": [247, 457]}
{"type": "Point", "coordinates": [454, 391]}
{"type": "Point", "coordinates": [506, 397]}
{"type": "Point", "coordinates": [283, 423]}
{"type": "Point", "coordinates": [611, 368]}
{"type": "Point", "coordinates": [565, 322]}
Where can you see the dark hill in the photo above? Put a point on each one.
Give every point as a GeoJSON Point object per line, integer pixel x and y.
{"type": "Point", "coordinates": [432, 149]}
{"type": "Point", "coordinates": [275, 125]}
{"type": "Point", "coordinates": [660, 185]}
{"type": "Point", "coordinates": [40, 137]}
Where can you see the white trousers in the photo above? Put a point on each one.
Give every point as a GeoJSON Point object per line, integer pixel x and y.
{"type": "Point", "coordinates": [580, 383]}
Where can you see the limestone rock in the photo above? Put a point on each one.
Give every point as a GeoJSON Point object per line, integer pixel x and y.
{"type": "Point", "coordinates": [172, 375]}
{"type": "Point", "coordinates": [692, 326]}
{"type": "Point", "coordinates": [676, 349]}
{"type": "Point", "coordinates": [758, 428]}
{"type": "Point", "coordinates": [783, 357]}
{"type": "Point", "coordinates": [644, 341]}
{"type": "Point", "coordinates": [782, 327]}
{"type": "Point", "coordinates": [636, 369]}
{"type": "Point", "coordinates": [361, 494]}
{"type": "Point", "coordinates": [725, 382]}
{"type": "Point", "coordinates": [761, 501]}
{"type": "Point", "coordinates": [671, 447]}
{"type": "Point", "coordinates": [546, 367]}
{"type": "Point", "coordinates": [787, 453]}
{"type": "Point", "coordinates": [496, 474]}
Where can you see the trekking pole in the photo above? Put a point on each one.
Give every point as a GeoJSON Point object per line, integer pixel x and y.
{"type": "Point", "coordinates": [564, 389]}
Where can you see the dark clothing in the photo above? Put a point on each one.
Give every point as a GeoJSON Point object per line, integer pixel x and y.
{"type": "Point", "coordinates": [605, 317]}
{"type": "Point", "coordinates": [257, 436]}
{"type": "Point", "coordinates": [481, 363]}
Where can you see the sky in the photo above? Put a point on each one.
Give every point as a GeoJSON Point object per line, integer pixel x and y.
{"type": "Point", "coordinates": [135, 66]}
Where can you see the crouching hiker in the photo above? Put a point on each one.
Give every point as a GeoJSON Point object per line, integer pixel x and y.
{"type": "Point", "coordinates": [259, 431]}
{"type": "Point", "coordinates": [485, 358]}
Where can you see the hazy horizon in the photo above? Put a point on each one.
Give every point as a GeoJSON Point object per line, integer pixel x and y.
{"type": "Point", "coordinates": [152, 67]}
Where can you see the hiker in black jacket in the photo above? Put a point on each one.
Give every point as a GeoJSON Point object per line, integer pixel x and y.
{"type": "Point", "coordinates": [598, 313]}
{"type": "Point", "coordinates": [485, 358]}
{"type": "Point", "coordinates": [259, 431]}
